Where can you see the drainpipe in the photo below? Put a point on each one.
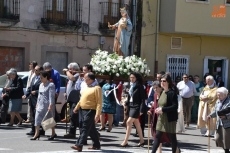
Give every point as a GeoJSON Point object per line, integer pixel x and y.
{"type": "Point", "coordinates": [157, 36]}
{"type": "Point", "coordinates": [89, 14]}
{"type": "Point", "coordinates": [134, 13]}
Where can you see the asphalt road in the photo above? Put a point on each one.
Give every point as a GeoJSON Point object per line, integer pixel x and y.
{"type": "Point", "coordinates": [14, 140]}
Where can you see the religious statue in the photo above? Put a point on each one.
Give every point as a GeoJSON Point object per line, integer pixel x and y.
{"type": "Point", "coordinates": [123, 31]}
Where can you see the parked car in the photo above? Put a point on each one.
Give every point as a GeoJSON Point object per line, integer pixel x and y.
{"type": "Point", "coordinates": [60, 105]}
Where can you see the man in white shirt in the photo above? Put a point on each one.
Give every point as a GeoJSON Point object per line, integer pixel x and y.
{"type": "Point", "coordinates": [187, 90]}
{"type": "Point", "coordinates": [32, 66]}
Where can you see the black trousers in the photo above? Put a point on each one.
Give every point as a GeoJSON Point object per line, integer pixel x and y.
{"type": "Point", "coordinates": [172, 137]}
{"type": "Point", "coordinates": [88, 128]}
{"type": "Point", "coordinates": [57, 117]}
{"type": "Point", "coordinates": [4, 109]}
{"type": "Point", "coordinates": [74, 119]}
{"type": "Point", "coordinates": [142, 122]}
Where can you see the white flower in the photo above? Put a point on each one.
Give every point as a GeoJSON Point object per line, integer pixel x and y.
{"type": "Point", "coordinates": [142, 70]}
{"type": "Point", "coordinates": [105, 63]}
{"type": "Point", "coordinates": [133, 69]}
{"type": "Point", "coordinates": [107, 69]}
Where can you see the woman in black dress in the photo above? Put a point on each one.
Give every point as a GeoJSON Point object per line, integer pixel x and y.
{"type": "Point", "coordinates": [135, 103]}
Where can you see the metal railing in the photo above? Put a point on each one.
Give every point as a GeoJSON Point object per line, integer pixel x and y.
{"type": "Point", "coordinates": [110, 12]}
{"type": "Point", "coordinates": [10, 9]}
{"type": "Point", "coordinates": [62, 12]}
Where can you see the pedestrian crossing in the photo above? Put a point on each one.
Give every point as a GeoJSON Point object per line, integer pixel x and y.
{"type": "Point", "coordinates": [133, 150]}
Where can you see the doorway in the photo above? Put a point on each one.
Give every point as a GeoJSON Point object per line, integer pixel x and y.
{"type": "Point", "coordinates": [217, 67]}
{"type": "Point", "coordinates": [58, 60]}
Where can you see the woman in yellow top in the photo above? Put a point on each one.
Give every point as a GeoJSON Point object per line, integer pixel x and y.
{"type": "Point", "coordinates": [208, 98]}
{"type": "Point", "coordinates": [90, 104]}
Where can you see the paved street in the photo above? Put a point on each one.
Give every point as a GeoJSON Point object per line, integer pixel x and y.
{"type": "Point", "coordinates": [14, 140]}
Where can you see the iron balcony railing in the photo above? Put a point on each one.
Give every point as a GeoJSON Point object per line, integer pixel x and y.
{"type": "Point", "coordinates": [10, 9]}
{"type": "Point", "coordinates": [62, 12]}
{"type": "Point", "coordinates": [110, 12]}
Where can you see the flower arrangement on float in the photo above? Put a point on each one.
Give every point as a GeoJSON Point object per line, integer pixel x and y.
{"type": "Point", "coordinates": [117, 66]}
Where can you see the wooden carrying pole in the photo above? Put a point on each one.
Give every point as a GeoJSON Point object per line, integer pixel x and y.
{"type": "Point", "coordinates": [148, 130]}
{"type": "Point", "coordinates": [209, 136]}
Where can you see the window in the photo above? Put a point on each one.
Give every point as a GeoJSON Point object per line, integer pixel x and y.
{"type": "Point", "coordinates": [10, 9]}
{"type": "Point", "coordinates": [62, 12]}
{"type": "Point", "coordinates": [110, 12]}
{"type": "Point", "coordinates": [198, 1]}
{"type": "Point", "coordinates": [24, 80]}
{"type": "Point", "coordinates": [227, 1]}
{"type": "Point", "coordinates": [177, 65]}
{"type": "Point", "coordinates": [176, 43]}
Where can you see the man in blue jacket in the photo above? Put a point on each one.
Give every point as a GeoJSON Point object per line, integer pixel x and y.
{"type": "Point", "coordinates": [55, 78]}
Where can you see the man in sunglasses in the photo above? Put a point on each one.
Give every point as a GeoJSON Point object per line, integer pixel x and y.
{"type": "Point", "coordinates": [187, 90]}
{"type": "Point", "coordinates": [32, 95]}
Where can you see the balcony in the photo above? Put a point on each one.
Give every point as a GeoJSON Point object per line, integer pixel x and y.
{"type": "Point", "coordinates": [110, 12]}
{"type": "Point", "coordinates": [62, 13]}
{"type": "Point", "coordinates": [202, 17]}
{"type": "Point", "coordinates": [10, 10]}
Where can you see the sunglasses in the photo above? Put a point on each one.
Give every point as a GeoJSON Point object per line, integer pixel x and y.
{"type": "Point", "coordinates": [185, 77]}
{"type": "Point", "coordinates": [163, 80]}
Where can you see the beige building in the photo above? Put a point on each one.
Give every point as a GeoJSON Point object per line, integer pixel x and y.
{"type": "Point", "coordinates": [58, 31]}
{"type": "Point", "coordinates": [187, 36]}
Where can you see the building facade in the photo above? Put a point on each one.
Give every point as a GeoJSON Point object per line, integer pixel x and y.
{"type": "Point", "coordinates": [187, 36]}
{"type": "Point", "coordinates": [58, 31]}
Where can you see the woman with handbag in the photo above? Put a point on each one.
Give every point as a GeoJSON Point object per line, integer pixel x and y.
{"type": "Point", "coordinates": [222, 113]}
{"type": "Point", "coordinates": [45, 103]}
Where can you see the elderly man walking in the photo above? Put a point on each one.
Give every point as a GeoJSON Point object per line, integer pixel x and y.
{"type": "Point", "coordinates": [72, 75]}
{"type": "Point", "coordinates": [187, 90]}
{"type": "Point", "coordinates": [90, 104]}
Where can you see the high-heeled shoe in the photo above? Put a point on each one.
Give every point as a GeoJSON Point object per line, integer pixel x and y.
{"type": "Point", "coordinates": [52, 137]}
{"type": "Point", "coordinates": [141, 144]}
{"type": "Point", "coordinates": [35, 138]}
{"type": "Point", "coordinates": [102, 129]}
{"type": "Point", "coordinates": [109, 129]}
{"type": "Point", "coordinates": [123, 146]}
{"type": "Point", "coordinates": [20, 122]}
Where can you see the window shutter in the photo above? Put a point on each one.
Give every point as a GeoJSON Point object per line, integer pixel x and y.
{"type": "Point", "coordinates": [176, 43]}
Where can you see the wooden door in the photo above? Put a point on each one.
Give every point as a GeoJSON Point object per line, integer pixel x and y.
{"type": "Point", "coordinates": [58, 13]}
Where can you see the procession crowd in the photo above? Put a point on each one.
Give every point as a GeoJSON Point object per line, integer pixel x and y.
{"type": "Point", "coordinates": [170, 105]}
